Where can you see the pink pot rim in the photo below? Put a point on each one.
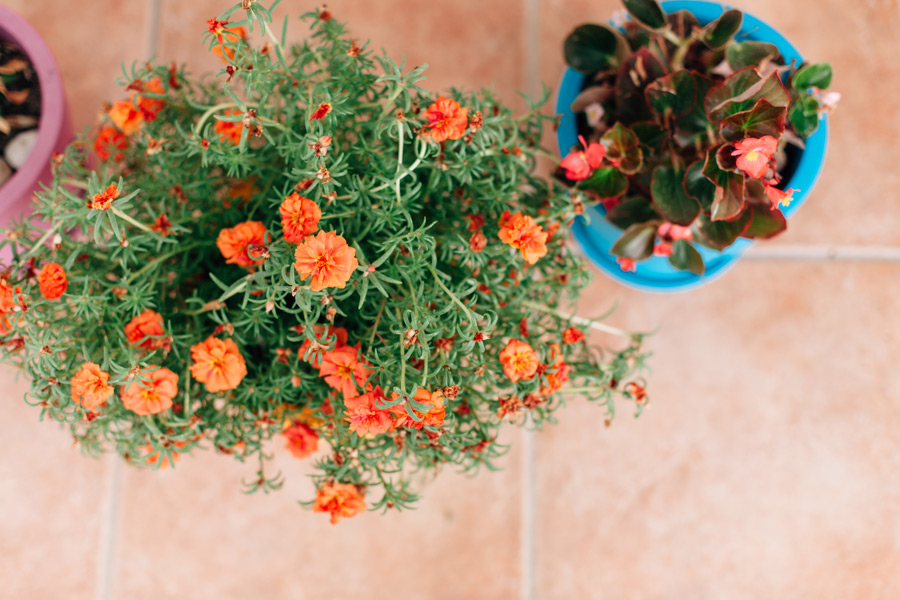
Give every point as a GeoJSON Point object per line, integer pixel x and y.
{"type": "Point", "coordinates": [14, 28]}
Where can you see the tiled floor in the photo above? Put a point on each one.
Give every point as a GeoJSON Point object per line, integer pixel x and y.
{"type": "Point", "coordinates": [765, 467]}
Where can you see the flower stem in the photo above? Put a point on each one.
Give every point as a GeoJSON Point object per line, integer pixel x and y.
{"type": "Point", "coordinates": [453, 296]}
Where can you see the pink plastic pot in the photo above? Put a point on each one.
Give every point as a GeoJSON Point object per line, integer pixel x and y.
{"type": "Point", "coordinates": [55, 124]}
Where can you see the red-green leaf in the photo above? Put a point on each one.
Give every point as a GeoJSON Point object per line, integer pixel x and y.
{"type": "Point", "coordinates": [765, 223]}
{"type": "Point", "coordinates": [623, 149]}
{"type": "Point", "coordinates": [672, 95]}
{"type": "Point", "coordinates": [696, 121]}
{"type": "Point", "coordinates": [721, 234]}
{"type": "Point", "coordinates": [631, 210]}
{"type": "Point", "coordinates": [634, 76]}
{"type": "Point", "coordinates": [699, 187]}
{"type": "Point", "coordinates": [762, 119]}
{"type": "Point", "coordinates": [728, 203]}
{"type": "Point", "coordinates": [719, 32]}
{"type": "Point", "coordinates": [646, 12]}
{"type": "Point", "coordinates": [750, 54]}
{"type": "Point", "coordinates": [605, 183]}
{"type": "Point", "coordinates": [591, 48]}
{"type": "Point", "coordinates": [741, 92]}
{"type": "Point", "coordinates": [670, 198]}
{"type": "Point", "coordinates": [637, 242]}
{"type": "Point", "coordinates": [686, 258]}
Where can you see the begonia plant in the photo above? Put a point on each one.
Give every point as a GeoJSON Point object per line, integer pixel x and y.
{"type": "Point", "coordinates": [687, 133]}
{"type": "Point", "coordinates": [309, 251]}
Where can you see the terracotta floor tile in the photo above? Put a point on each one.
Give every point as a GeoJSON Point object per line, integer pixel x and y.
{"type": "Point", "coordinates": [765, 465]}
{"type": "Point", "coordinates": [464, 44]}
{"type": "Point", "coordinates": [52, 502]}
{"type": "Point", "coordinates": [91, 41]}
{"type": "Point", "coordinates": [194, 525]}
{"type": "Point", "coordinates": [857, 191]}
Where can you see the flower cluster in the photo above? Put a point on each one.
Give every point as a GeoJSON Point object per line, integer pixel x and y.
{"type": "Point", "coordinates": [687, 133]}
{"type": "Point", "coordinates": [312, 253]}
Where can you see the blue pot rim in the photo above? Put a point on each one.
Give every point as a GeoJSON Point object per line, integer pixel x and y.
{"type": "Point", "coordinates": [595, 238]}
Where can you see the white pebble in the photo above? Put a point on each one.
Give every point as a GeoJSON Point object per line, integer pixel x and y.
{"type": "Point", "coordinates": [18, 148]}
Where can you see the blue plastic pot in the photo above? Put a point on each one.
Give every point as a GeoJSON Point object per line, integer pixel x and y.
{"type": "Point", "coordinates": [656, 274]}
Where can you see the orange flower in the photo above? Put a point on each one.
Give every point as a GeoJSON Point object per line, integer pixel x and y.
{"type": "Point", "coordinates": [126, 116]}
{"type": "Point", "coordinates": [321, 111]}
{"type": "Point", "coordinates": [302, 440]}
{"type": "Point", "coordinates": [9, 305]}
{"type": "Point", "coordinates": [478, 242]}
{"type": "Point", "coordinates": [364, 415]}
{"type": "Point", "coordinates": [520, 361]}
{"type": "Point", "coordinates": [447, 119]}
{"type": "Point", "coordinates": [299, 217]}
{"type": "Point", "coordinates": [524, 234]}
{"type": "Point", "coordinates": [323, 335]}
{"type": "Point", "coordinates": [754, 155]}
{"type": "Point", "coordinates": [342, 500]}
{"type": "Point", "coordinates": [110, 143]}
{"type": "Point", "coordinates": [572, 336]}
{"type": "Point", "coordinates": [234, 242]}
{"type": "Point", "coordinates": [154, 458]}
{"type": "Point", "coordinates": [90, 388]}
{"type": "Point", "coordinates": [557, 373]}
{"type": "Point", "coordinates": [244, 190]}
{"type": "Point", "coordinates": [230, 131]}
{"type": "Point", "coordinates": [218, 364]}
{"type": "Point", "coordinates": [161, 387]}
{"type": "Point", "coordinates": [162, 225]}
{"type": "Point", "coordinates": [327, 258]}
{"type": "Point", "coordinates": [104, 199]}
{"type": "Point", "coordinates": [147, 331]}
{"type": "Point", "coordinates": [150, 107]}
{"type": "Point", "coordinates": [223, 34]}
{"type": "Point", "coordinates": [52, 281]}
{"type": "Point", "coordinates": [343, 371]}
{"type": "Point", "coordinates": [433, 418]}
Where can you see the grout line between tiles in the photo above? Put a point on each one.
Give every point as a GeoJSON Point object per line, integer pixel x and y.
{"type": "Point", "coordinates": [107, 550]}
{"type": "Point", "coordinates": [527, 537]}
{"type": "Point", "coordinates": [153, 28]}
{"type": "Point", "coordinates": [824, 253]}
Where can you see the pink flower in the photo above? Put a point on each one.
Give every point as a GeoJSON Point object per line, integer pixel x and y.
{"type": "Point", "coordinates": [662, 249]}
{"type": "Point", "coordinates": [754, 155]}
{"type": "Point", "coordinates": [579, 165]}
{"type": "Point", "coordinates": [777, 196]}
{"type": "Point", "coordinates": [626, 264]}
{"type": "Point", "coordinates": [672, 232]}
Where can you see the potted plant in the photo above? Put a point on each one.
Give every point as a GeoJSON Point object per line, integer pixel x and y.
{"type": "Point", "coordinates": [34, 115]}
{"type": "Point", "coordinates": [690, 131]}
{"type": "Point", "coordinates": [311, 252]}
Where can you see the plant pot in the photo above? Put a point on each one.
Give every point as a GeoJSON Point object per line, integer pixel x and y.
{"type": "Point", "coordinates": [54, 126]}
{"type": "Point", "coordinates": [597, 235]}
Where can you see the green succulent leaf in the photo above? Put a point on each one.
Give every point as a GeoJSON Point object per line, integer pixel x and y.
{"type": "Point", "coordinates": [637, 242]}
{"type": "Point", "coordinates": [623, 149]}
{"type": "Point", "coordinates": [670, 198]}
{"type": "Point", "coordinates": [721, 234]}
{"type": "Point", "coordinates": [817, 75]}
{"type": "Point", "coordinates": [673, 95]}
{"type": "Point", "coordinates": [804, 115]}
{"type": "Point", "coordinates": [750, 54]}
{"type": "Point", "coordinates": [719, 32]}
{"type": "Point", "coordinates": [699, 187]}
{"type": "Point", "coordinates": [728, 203]}
{"type": "Point", "coordinates": [762, 119]}
{"type": "Point", "coordinates": [631, 210]}
{"type": "Point", "coordinates": [605, 183]}
{"type": "Point", "coordinates": [686, 258]}
{"type": "Point", "coordinates": [741, 92]}
{"type": "Point", "coordinates": [648, 13]}
{"type": "Point", "coordinates": [591, 48]}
